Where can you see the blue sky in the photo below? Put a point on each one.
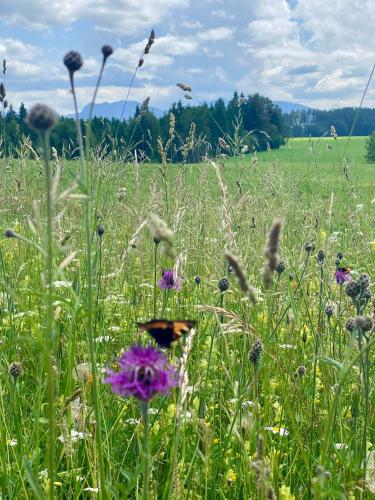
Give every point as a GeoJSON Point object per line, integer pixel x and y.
{"type": "Point", "coordinates": [315, 52]}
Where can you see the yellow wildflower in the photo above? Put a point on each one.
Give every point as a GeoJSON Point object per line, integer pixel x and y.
{"type": "Point", "coordinates": [285, 494]}
{"type": "Point", "coordinates": [231, 476]}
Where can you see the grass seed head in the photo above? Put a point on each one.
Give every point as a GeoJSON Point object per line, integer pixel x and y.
{"type": "Point", "coordinates": [255, 352]}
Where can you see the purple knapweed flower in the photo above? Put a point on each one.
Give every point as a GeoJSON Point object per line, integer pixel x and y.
{"type": "Point", "coordinates": [169, 281]}
{"type": "Point", "coordinates": [144, 372]}
{"type": "Point", "coordinates": [343, 276]}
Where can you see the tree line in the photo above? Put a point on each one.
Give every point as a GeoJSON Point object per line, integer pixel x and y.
{"type": "Point", "coordinates": [243, 124]}
{"type": "Point", "coordinates": [317, 123]}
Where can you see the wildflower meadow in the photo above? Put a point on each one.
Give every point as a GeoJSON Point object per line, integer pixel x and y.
{"type": "Point", "coordinates": [182, 330]}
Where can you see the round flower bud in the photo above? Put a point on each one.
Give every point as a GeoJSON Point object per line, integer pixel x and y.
{"type": "Point", "coordinates": [280, 268]}
{"type": "Point", "coordinates": [320, 257]}
{"type": "Point", "coordinates": [363, 281]}
{"type": "Point", "coordinates": [330, 310]}
{"type": "Point", "coordinates": [353, 289]}
{"type": "Point", "coordinates": [9, 233]}
{"type": "Point", "coordinates": [100, 230]}
{"type": "Point", "coordinates": [310, 247]}
{"type": "Point", "coordinates": [367, 294]}
{"type": "Point", "coordinates": [107, 51]}
{"type": "Point", "coordinates": [340, 255]}
{"type": "Point", "coordinates": [197, 280]}
{"type": "Point", "coordinates": [73, 61]}
{"type": "Point", "coordinates": [41, 118]}
{"type": "Point", "coordinates": [349, 325]}
{"type": "Point", "coordinates": [301, 371]}
{"type": "Point", "coordinates": [15, 370]}
{"type": "Point", "coordinates": [364, 323]}
{"type": "Point", "coordinates": [223, 284]}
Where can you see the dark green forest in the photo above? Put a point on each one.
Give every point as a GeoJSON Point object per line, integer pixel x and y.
{"type": "Point", "coordinates": [187, 133]}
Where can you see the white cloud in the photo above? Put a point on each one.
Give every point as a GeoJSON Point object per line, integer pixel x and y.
{"type": "Point", "coordinates": [223, 14]}
{"type": "Point", "coordinates": [123, 16]}
{"type": "Point", "coordinates": [165, 50]}
{"type": "Point", "coordinates": [217, 34]}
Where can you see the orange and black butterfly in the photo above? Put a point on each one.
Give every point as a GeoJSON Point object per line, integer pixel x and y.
{"type": "Point", "coordinates": [165, 332]}
{"type": "Point", "coordinates": [345, 270]}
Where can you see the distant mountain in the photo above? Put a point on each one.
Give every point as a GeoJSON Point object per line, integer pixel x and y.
{"type": "Point", "coordinates": [287, 107]}
{"type": "Point", "coordinates": [114, 109]}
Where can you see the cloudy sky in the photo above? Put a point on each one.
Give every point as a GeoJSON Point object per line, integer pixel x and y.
{"type": "Point", "coordinates": [315, 52]}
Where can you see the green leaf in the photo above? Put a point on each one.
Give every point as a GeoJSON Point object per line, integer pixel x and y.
{"type": "Point", "coordinates": [34, 483]}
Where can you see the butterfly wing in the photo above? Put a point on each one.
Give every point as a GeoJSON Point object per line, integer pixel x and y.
{"type": "Point", "coordinates": [165, 332]}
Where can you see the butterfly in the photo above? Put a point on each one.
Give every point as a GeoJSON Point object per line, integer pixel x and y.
{"type": "Point", "coordinates": [345, 270]}
{"type": "Point", "coordinates": [165, 332]}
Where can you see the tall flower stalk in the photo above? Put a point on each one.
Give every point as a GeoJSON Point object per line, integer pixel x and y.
{"type": "Point", "coordinates": [73, 61]}
{"type": "Point", "coordinates": [144, 373]}
{"type": "Point", "coordinates": [42, 119]}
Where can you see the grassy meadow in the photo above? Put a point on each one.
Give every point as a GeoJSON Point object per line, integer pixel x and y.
{"type": "Point", "coordinates": [298, 422]}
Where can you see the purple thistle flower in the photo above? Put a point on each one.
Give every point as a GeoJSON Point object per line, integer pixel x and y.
{"type": "Point", "coordinates": [169, 281]}
{"type": "Point", "coordinates": [144, 372]}
{"type": "Point", "coordinates": [343, 276]}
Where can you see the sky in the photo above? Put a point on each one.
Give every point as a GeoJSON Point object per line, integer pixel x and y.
{"type": "Point", "coordinates": [314, 52]}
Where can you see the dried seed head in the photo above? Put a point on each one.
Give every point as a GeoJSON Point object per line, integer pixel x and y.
{"type": "Point", "coordinates": [42, 118]}
{"type": "Point", "coordinates": [107, 51]}
{"type": "Point", "coordinates": [197, 280]}
{"type": "Point", "coordinates": [145, 105]}
{"type": "Point", "coordinates": [151, 39]}
{"type": "Point", "coordinates": [340, 255]}
{"type": "Point", "coordinates": [184, 86]}
{"type": "Point", "coordinates": [223, 284]}
{"type": "Point", "coordinates": [271, 252]}
{"type": "Point", "coordinates": [364, 323]}
{"type": "Point", "coordinates": [15, 370]}
{"type": "Point", "coordinates": [2, 91]}
{"type": "Point", "coordinates": [256, 351]}
{"type": "Point", "coordinates": [236, 265]}
{"type": "Point", "coordinates": [5, 104]}
{"type": "Point", "coordinates": [73, 61]}
{"type": "Point", "coordinates": [140, 62]}
{"type": "Point", "coordinates": [161, 232]}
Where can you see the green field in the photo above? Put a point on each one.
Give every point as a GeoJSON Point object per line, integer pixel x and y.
{"type": "Point", "coordinates": [317, 425]}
